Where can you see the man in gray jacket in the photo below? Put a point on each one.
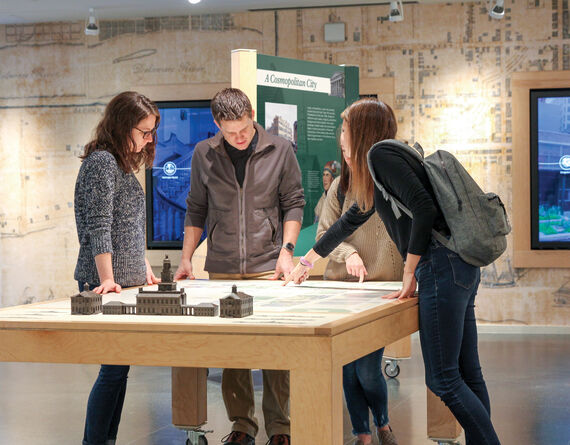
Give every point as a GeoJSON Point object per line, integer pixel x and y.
{"type": "Point", "coordinates": [246, 186]}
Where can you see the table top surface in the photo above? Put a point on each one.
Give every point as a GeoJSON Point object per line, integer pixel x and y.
{"type": "Point", "coordinates": [313, 308]}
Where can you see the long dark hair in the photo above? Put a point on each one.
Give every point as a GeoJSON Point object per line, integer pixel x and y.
{"type": "Point", "coordinates": [344, 181]}
{"type": "Point", "coordinates": [114, 131]}
{"type": "Point", "coordinates": [344, 176]}
{"type": "Point", "coordinates": [369, 121]}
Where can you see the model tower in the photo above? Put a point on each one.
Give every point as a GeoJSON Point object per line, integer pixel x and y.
{"type": "Point", "coordinates": [166, 276]}
{"type": "Point", "coordinates": [164, 301]}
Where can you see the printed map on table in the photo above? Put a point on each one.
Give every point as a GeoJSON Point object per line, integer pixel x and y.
{"type": "Point", "coordinates": [317, 298]}
{"type": "Point", "coordinates": [310, 304]}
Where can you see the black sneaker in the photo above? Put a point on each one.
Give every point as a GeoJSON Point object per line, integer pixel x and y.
{"type": "Point", "coordinates": [238, 438]}
{"type": "Point", "coordinates": [279, 439]}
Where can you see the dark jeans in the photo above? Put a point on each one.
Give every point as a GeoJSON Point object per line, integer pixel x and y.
{"type": "Point", "coordinates": [448, 336]}
{"type": "Point", "coordinates": [365, 387]}
{"type": "Point", "coordinates": [105, 403]}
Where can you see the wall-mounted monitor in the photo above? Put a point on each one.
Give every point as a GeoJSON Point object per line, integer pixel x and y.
{"type": "Point", "coordinates": [550, 168]}
{"type": "Point", "coordinates": [182, 125]}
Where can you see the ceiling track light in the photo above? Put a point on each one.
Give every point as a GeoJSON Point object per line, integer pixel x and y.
{"type": "Point", "coordinates": [91, 29]}
{"type": "Point", "coordinates": [396, 11]}
{"type": "Point", "coordinates": [497, 9]}
{"type": "Point", "coordinates": [194, 2]}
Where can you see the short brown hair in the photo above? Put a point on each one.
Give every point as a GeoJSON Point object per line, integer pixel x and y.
{"type": "Point", "coordinates": [230, 104]}
{"type": "Point", "coordinates": [114, 131]}
{"type": "Point", "coordinates": [369, 121]}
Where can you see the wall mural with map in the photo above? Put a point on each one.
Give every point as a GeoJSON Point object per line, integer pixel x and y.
{"type": "Point", "coordinates": [451, 65]}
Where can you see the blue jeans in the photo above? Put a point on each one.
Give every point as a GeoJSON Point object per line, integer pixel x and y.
{"type": "Point", "coordinates": [105, 403]}
{"type": "Point", "coordinates": [448, 336]}
{"type": "Point", "coordinates": [365, 387]}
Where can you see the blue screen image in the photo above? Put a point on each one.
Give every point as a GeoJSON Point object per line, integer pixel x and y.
{"type": "Point", "coordinates": [180, 129]}
{"type": "Point", "coordinates": [553, 169]}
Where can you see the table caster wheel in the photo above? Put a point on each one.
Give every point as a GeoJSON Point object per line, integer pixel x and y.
{"type": "Point", "coordinates": [201, 441]}
{"type": "Point", "coordinates": [392, 369]}
{"type": "Point", "coordinates": [196, 437]}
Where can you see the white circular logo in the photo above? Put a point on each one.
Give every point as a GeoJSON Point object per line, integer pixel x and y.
{"type": "Point", "coordinates": [564, 162]}
{"type": "Point", "coordinates": [169, 168]}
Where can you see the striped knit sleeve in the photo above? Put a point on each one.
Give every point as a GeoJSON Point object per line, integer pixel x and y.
{"type": "Point", "coordinates": [101, 174]}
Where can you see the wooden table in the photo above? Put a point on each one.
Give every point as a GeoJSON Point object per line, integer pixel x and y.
{"type": "Point", "coordinates": [314, 348]}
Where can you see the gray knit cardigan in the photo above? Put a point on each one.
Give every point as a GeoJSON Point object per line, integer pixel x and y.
{"type": "Point", "coordinates": [110, 217]}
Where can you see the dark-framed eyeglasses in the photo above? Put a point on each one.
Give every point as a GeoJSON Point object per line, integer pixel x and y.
{"type": "Point", "coordinates": [147, 133]}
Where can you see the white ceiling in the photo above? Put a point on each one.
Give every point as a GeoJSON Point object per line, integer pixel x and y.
{"type": "Point", "coordinates": [35, 11]}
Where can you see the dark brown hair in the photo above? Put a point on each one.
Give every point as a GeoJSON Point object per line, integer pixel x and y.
{"type": "Point", "coordinates": [344, 176]}
{"type": "Point", "coordinates": [344, 181]}
{"type": "Point", "coordinates": [369, 121]}
{"type": "Point", "coordinates": [114, 131]}
{"type": "Point", "coordinates": [230, 104]}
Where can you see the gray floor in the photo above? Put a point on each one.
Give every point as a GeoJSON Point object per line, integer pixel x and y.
{"type": "Point", "coordinates": [528, 378]}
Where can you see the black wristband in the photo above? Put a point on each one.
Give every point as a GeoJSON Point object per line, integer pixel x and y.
{"type": "Point", "coordinates": [289, 246]}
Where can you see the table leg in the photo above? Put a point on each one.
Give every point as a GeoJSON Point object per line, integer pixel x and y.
{"type": "Point", "coordinates": [316, 406]}
{"type": "Point", "coordinates": [441, 424]}
{"type": "Point", "coordinates": [189, 397]}
{"type": "Point", "coordinates": [400, 349]}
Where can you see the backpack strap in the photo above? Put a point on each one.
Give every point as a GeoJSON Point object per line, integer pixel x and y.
{"type": "Point", "coordinates": [396, 205]}
{"type": "Point", "coordinates": [419, 148]}
{"type": "Point", "coordinates": [417, 151]}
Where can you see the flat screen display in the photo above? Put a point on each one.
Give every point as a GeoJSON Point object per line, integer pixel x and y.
{"type": "Point", "coordinates": [182, 125]}
{"type": "Point", "coordinates": [550, 168]}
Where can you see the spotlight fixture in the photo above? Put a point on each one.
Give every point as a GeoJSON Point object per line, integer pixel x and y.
{"type": "Point", "coordinates": [194, 2]}
{"type": "Point", "coordinates": [92, 29]}
{"type": "Point", "coordinates": [497, 9]}
{"type": "Point", "coordinates": [396, 11]}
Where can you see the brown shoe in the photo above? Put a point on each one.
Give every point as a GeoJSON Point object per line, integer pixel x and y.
{"type": "Point", "coordinates": [238, 438]}
{"type": "Point", "coordinates": [279, 439]}
{"type": "Point", "coordinates": [386, 437]}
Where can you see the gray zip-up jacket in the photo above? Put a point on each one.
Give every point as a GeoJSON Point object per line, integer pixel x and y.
{"type": "Point", "coordinates": [245, 225]}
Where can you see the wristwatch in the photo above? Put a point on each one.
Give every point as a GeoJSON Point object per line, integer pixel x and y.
{"type": "Point", "coordinates": [289, 246]}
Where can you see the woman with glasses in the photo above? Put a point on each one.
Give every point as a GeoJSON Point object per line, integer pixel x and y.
{"type": "Point", "coordinates": [110, 220]}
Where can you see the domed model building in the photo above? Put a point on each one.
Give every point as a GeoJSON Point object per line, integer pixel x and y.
{"type": "Point", "coordinates": [164, 301]}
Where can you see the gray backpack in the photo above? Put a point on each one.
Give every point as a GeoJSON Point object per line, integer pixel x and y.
{"type": "Point", "coordinates": [477, 221]}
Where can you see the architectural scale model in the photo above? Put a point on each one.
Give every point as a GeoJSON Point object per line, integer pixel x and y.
{"type": "Point", "coordinates": [236, 305]}
{"type": "Point", "coordinates": [86, 302]}
{"type": "Point", "coordinates": [164, 301]}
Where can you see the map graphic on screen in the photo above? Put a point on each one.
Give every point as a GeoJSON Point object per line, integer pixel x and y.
{"type": "Point", "coordinates": [182, 125]}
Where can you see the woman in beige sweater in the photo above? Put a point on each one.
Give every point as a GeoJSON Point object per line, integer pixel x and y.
{"type": "Point", "coordinates": [369, 254]}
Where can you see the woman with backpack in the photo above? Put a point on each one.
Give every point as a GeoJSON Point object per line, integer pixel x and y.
{"type": "Point", "coordinates": [446, 284]}
{"type": "Point", "coordinates": [369, 254]}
